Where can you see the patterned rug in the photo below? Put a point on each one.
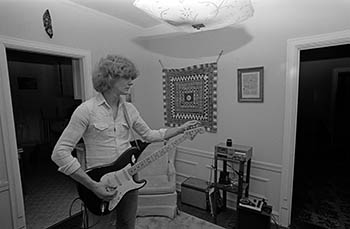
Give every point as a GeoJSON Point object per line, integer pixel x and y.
{"type": "Point", "coordinates": [181, 221]}
{"type": "Point", "coordinates": [190, 94]}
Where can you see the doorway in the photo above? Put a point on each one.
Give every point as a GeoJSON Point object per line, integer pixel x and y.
{"type": "Point", "coordinates": [42, 95]}
{"type": "Point", "coordinates": [321, 191]}
{"type": "Point", "coordinates": [81, 65]}
{"type": "Point", "coordinates": [294, 47]}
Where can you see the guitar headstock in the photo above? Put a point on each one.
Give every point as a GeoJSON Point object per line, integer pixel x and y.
{"type": "Point", "coordinates": [192, 133]}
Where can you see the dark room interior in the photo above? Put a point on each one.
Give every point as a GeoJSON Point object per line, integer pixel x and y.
{"type": "Point", "coordinates": [321, 190]}
{"type": "Point", "coordinates": [43, 100]}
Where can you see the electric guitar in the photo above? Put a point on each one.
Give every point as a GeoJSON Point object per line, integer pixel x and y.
{"type": "Point", "coordinates": [119, 174]}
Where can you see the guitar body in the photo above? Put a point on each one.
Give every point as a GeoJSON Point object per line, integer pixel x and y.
{"type": "Point", "coordinates": [120, 173]}
{"type": "Point", "coordinates": [115, 174]}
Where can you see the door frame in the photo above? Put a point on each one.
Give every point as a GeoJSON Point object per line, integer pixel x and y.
{"type": "Point", "coordinates": [294, 46]}
{"type": "Point", "coordinates": [82, 66]}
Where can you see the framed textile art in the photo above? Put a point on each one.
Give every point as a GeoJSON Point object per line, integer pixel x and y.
{"type": "Point", "coordinates": [190, 94]}
{"type": "Point", "coordinates": [251, 84]}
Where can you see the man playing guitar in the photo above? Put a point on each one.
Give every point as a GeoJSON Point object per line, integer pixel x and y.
{"type": "Point", "coordinates": [102, 124]}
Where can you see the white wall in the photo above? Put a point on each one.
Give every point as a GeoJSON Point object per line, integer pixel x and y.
{"type": "Point", "coordinates": [260, 41]}
{"type": "Point", "coordinates": [73, 28]}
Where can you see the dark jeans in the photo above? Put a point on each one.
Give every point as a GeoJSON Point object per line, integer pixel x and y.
{"type": "Point", "coordinates": [122, 217]}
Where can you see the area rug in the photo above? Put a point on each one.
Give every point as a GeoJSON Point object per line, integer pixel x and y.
{"type": "Point", "coordinates": [181, 221]}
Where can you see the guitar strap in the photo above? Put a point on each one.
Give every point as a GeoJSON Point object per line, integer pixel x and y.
{"type": "Point", "coordinates": [126, 115]}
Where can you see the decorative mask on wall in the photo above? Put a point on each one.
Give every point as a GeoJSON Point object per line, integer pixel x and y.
{"type": "Point", "coordinates": [47, 23]}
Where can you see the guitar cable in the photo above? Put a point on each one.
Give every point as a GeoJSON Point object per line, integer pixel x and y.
{"type": "Point", "coordinates": [71, 206]}
{"type": "Point", "coordinates": [85, 217]}
{"type": "Point", "coordinates": [86, 220]}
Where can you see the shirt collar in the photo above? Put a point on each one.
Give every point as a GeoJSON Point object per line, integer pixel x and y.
{"type": "Point", "coordinates": [101, 100]}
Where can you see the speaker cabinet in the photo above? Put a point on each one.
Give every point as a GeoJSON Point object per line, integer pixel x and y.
{"type": "Point", "coordinates": [248, 218]}
{"type": "Point", "coordinates": [195, 192]}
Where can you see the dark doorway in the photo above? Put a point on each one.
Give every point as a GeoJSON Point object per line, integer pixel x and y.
{"type": "Point", "coordinates": [342, 113]}
{"type": "Point", "coordinates": [42, 94]}
{"type": "Point", "coordinates": [321, 188]}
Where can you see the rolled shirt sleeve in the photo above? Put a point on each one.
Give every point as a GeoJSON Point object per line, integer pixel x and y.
{"type": "Point", "coordinates": [62, 153]}
{"type": "Point", "coordinates": [105, 137]}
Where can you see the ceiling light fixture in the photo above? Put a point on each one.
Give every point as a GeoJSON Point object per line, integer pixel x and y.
{"type": "Point", "coordinates": [198, 15]}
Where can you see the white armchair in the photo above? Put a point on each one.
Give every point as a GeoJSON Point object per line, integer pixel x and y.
{"type": "Point", "coordinates": [158, 197]}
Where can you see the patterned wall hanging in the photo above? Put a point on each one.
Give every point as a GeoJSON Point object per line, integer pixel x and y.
{"type": "Point", "coordinates": [190, 94]}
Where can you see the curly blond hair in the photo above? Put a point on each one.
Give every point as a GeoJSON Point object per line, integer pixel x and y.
{"type": "Point", "coordinates": [110, 68]}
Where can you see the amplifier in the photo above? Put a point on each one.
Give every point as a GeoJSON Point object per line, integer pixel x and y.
{"type": "Point", "coordinates": [195, 192]}
{"type": "Point", "coordinates": [252, 203]}
{"type": "Point", "coordinates": [254, 218]}
{"type": "Point", "coordinates": [234, 152]}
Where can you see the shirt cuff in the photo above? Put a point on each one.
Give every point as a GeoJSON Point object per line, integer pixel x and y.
{"type": "Point", "coordinates": [162, 133]}
{"type": "Point", "coordinates": [70, 167]}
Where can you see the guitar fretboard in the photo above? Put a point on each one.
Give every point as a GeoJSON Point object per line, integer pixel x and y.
{"type": "Point", "coordinates": [159, 153]}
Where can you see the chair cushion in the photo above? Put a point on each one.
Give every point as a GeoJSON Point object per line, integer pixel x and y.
{"type": "Point", "coordinates": [168, 211]}
{"type": "Point", "coordinates": [157, 185]}
{"type": "Point", "coordinates": [169, 199]}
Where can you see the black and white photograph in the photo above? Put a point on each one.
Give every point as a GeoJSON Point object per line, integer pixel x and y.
{"type": "Point", "coordinates": [199, 114]}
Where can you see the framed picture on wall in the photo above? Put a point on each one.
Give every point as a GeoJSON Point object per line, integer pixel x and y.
{"type": "Point", "coordinates": [250, 84]}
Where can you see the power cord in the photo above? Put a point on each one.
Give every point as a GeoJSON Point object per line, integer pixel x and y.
{"type": "Point", "coordinates": [71, 206]}
{"type": "Point", "coordinates": [233, 180]}
{"type": "Point", "coordinates": [275, 222]}
{"type": "Point", "coordinates": [233, 169]}
{"type": "Point", "coordinates": [230, 166]}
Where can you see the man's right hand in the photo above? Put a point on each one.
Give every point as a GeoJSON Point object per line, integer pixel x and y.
{"type": "Point", "coordinates": [104, 191]}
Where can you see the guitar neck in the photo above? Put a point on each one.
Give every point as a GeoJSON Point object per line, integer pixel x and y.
{"type": "Point", "coordinates": [155, 156]}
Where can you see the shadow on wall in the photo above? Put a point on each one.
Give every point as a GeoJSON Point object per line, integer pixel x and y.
{"type": "Point", "coordinates": [196, 45]}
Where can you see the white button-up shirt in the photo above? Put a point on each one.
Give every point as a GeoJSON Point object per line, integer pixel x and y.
{"type": "Point", "coordinates": [105, 138]}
